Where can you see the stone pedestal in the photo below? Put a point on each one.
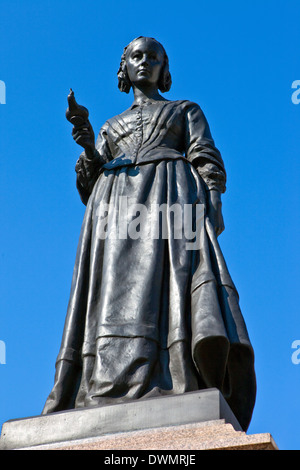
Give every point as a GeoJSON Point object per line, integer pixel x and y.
{"type": "Point", "coordinates": [193, 421]}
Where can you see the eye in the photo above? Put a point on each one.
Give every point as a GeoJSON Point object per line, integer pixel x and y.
{"type": "Point", "coordinates": [136, 55]}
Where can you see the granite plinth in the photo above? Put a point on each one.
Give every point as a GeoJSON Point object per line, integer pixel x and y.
{"type": "Point", "coordinates": [139, 415]}
{"type": "Point", "coordinates": [210, 435]}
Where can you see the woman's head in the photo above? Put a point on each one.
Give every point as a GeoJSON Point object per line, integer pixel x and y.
{"type": "Point", "coordinates": [130, 57]}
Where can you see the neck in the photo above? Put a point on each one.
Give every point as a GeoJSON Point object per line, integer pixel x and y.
{"type": "Point", "coordinates": [142, 94]}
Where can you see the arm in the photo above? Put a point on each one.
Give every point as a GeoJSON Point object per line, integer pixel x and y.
{"type": "Point", "coordinates": [206, 158]}
{"type": "Point", "coordinates": [214, 211]}
{"type": "Point", "coordinates": [90, 162]}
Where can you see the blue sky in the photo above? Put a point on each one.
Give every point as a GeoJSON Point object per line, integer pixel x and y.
{"type": "Point", "coordinates": [238, 60]}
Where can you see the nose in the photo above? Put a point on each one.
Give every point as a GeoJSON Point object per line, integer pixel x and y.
{"type": "Point", "coordinates": [144, 59]}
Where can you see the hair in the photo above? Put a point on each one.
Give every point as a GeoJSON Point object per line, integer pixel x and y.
{"type": "Point", "coordinates": [165, 80]}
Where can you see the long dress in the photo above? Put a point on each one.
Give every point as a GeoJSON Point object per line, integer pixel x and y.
{"type": "Point", "coordinates": [152, 312]}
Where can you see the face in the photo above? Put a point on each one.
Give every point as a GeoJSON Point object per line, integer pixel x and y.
{"type": "Point", "coordinates": [144, 62]}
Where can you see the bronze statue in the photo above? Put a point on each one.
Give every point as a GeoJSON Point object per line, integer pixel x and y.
{"type": "Point", "coordinates": [148, 314]}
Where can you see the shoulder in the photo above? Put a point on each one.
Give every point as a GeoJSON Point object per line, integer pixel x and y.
{"type": "Point", "coordinates": [187, 106]}
{"type": "Point", "coordinates": [182, 104]}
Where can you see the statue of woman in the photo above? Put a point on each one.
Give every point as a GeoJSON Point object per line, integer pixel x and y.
{"type": "Point", "coordinates": [151, 315]}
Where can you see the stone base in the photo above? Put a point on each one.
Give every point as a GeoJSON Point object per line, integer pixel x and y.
{"type": "Point", "coordinates": [211, 435]}
{"type": "Point", "coordinates": [192, 421]}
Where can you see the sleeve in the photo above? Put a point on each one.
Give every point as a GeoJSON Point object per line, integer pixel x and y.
{"type": "Point", "coordinates": [88, 169]}
{"type": "Point", "coordinates": [200, 150]}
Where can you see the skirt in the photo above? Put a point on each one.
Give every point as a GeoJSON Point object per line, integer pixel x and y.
{"type": "Point", "coordinates": [153, 309]}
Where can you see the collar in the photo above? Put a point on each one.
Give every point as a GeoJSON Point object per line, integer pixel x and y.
{"type": "Point", "coordinates": [146, 102]}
